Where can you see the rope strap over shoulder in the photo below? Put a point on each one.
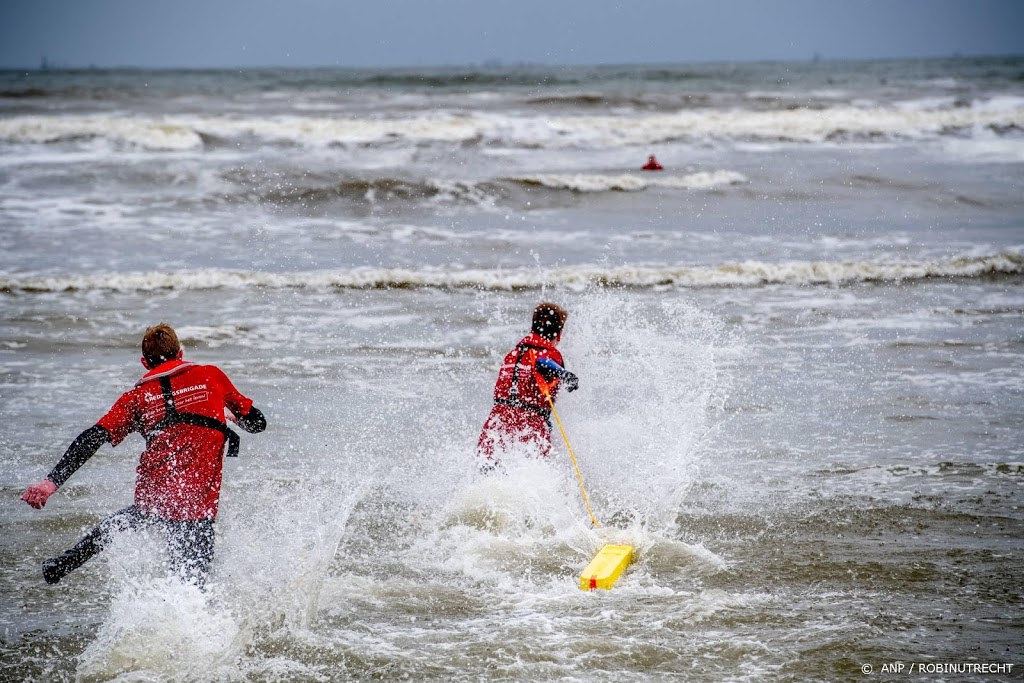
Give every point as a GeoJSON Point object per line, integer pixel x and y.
{"type": "Point", "coordinates": [172, 417]}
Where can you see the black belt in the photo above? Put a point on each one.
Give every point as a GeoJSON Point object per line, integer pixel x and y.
{"type": "Point", "coordinates": [513, 403]}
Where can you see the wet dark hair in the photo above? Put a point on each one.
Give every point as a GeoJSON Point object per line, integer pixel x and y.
{"type": "Point", "coordinates": [160, 344]}
{"type": "Point", "coordinates": [548, 320]}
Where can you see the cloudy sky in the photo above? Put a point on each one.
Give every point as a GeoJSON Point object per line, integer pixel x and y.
{"type": "Point", "coordinates": [228, 33]}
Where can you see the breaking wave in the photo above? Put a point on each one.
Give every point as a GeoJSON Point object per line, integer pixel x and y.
{"type": "Point", "coordinates": [740, 274]}
{"type": "Point", "coordinates": [632, 182]}
{"type": "Point", "coordinates": [311, 190]}
{"type": "Point", "coordinates": [1001, 116]}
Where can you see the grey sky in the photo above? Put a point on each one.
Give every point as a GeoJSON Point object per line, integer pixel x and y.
{"type": "Point", "coordinates": [225, 33]}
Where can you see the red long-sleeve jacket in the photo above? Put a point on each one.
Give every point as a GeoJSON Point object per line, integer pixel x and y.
{"type": "Point", "coordinates": [179, 473]}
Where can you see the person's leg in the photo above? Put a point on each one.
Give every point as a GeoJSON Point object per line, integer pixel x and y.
{"type": "Point", "coordinates": [56, 568]}
{"type": "Point", "coordinates": [190, 544]}
{"type": "Point", "coordinates": [485, 445]}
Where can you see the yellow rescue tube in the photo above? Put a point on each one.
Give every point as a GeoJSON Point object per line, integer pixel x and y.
{"type": "Point", "coordinates": [606, 567]}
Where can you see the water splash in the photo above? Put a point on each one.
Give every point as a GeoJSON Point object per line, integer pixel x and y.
{"type": "Point", "coordinates": [280, 548]}
{"type": "Point", "coordinates": [162, 629]}
{"type": "Point", "coordinates": [273, 557]}
{"type": "Point", "coordinates": [652, 389]}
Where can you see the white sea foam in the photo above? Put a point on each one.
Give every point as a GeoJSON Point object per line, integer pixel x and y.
{"type": "Point", "coordinates": [738, 274]}
{"type": "Point", "coordinates": [909, 120]}
{"type": "Point", "coordinates": [655, 390]}
{"type": "Point", "coordinates": [927, 103]}
{"type": "Point", "coordinates": [297, 541]}
{"type": "Point", "coordinates": [789, 95]}
{"type": "Point", "coordinates": [149, 133]}
{"type": "Point", "coordinates": [633, 182]}
{"type": "Point", "coordinates": [163, 630]}
{"type": "Point", "coordinates": [1000, 103]}
{"type": "Point", "coordinates": [986, 149]}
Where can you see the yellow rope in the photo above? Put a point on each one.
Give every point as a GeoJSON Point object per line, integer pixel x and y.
{"type": "Point", "coordinates": [586, 500]}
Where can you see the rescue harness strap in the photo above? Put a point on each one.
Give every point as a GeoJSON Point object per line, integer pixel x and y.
{"type": "Point", "coordinates": [543, 412]}
{"type": "Point", "coordinates": [513, 399]}
{"type": "Point", "coordinates": [172, 417]}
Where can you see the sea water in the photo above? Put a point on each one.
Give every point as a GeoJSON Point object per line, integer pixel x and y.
{"type": "Point", "coordinates": [799, 346]}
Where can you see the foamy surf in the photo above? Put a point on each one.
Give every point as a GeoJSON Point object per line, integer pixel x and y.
{"type": "Point", "coordinates": [738, 274]}
{"type": "Point", "coordinates": [799, 393]}
{"type": "Point", "coordinates": [526, 526]}
{"type": "Point", "coordinates": [703, 180]}
{"type": "Point", "coordinates": [915, 120]}
{"type": "Point", "coordinates": [161, 630]}
{"type": "Point", "coordinates": [269, 576]}
{"type": "Point", "coordinates": [527, 523]}
{"type": "Point", "coordinates": [280, 585]}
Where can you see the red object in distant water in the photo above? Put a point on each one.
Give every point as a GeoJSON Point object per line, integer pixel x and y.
{"type": "Point", "coordinates": [652, 164]}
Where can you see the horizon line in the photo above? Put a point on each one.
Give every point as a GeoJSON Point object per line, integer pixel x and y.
{"type": "Point", "coordinates": [495, 63]}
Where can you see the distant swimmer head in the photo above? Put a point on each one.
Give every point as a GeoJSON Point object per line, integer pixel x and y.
{"type": "Point", "coordinates": [159, 345]}
{"type": "Point", "coordinates": [548, 320]}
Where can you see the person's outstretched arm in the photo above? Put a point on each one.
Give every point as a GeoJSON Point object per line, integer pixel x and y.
{"type": "Point", "coordinates": [80, 450]}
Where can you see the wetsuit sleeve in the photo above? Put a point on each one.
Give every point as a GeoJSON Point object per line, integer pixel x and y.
{"type": "Point", "coordinates": [112, 428]}
{"type": "Point", "coordinates": [548, 368]}
{"type": "Point", "coordinates": [80, 450]}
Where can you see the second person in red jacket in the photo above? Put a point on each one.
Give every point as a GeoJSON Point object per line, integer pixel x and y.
{"type": "Point", "coordinates": [534, 369]}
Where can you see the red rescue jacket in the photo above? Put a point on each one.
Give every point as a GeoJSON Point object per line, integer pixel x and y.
{"type": "Point", "coordinates": [518, 381]}
{"type": "Point", "coordinates": [179, 473]}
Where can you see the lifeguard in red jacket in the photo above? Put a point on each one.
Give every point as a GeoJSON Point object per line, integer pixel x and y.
{"type": "Point", "coordinates": [652, 164]}
{"type": "Point", "coordinates": [179, 408]}
{"type": "Point", "coordinates": [521, 416]}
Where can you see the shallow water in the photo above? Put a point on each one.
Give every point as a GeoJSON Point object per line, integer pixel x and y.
{"type": "Point", "coordinates": [800, 353]}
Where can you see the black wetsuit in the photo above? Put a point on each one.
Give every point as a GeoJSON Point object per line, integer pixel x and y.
{"type": "Point", "coordinates": [189, 542]}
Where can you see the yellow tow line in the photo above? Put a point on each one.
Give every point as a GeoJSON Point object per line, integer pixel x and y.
{"type": "Point", "coordinates": [575, 465]}
{"type": "Point", "coordinates": [611, 560]}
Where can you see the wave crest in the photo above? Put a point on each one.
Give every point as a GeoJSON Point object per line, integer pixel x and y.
{"type": "Point", "coordinates": [702, 180]}
{"type": "Point", "coordinates": [999, 116]}
{"type": "Point", "coordinates": [740, 274]}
